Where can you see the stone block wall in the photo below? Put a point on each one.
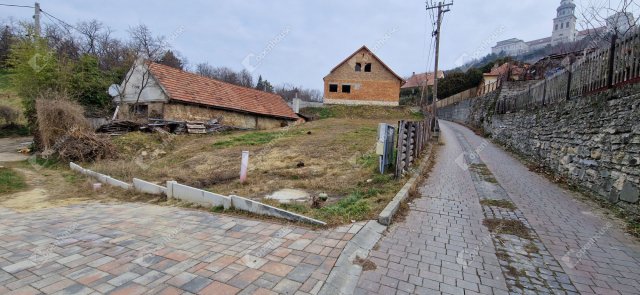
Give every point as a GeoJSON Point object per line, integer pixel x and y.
{"type": "Point", "coordinates": [593, 141]}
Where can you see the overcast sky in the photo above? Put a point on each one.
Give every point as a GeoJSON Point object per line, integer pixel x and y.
{"type": "Point", "coordinates": [299, 42]}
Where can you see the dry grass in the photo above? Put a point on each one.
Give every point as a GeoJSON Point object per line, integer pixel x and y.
{"type": "Point", "coordinates": [365, 263]}
{"type": "Point", "coordinates": [508, 227]}
{"type": "Point", "coordinates": [338, 156]}
{"type": "Point", "coordinates": [57, 116]}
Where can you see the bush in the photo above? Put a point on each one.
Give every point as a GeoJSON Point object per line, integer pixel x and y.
{"type": "Point", "coordinates": [9, 115]}
{"type": "Point", "coordinates": [63, 129]}
{"type": "Point", "coordinates": [57, 116]}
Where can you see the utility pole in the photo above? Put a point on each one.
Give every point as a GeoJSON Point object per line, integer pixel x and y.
{"type": "Point", "coordinates": [442, 9]}
{"type": "Point", "coordinates": [36, 18]}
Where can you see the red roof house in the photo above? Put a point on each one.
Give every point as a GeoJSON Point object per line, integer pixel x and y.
{"type": "Point", "coordinates": [154, 90]}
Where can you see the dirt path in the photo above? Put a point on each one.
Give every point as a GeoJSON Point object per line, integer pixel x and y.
{"type": "Point", "coordinates": [9, 148]}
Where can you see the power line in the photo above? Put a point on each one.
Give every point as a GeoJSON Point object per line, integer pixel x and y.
{"type": "Point", "coordinates": [59, 20]}
{"type": "Point", "coordinates": [442, 8]}
{"type": "Point", "coordinates": [15, 5]}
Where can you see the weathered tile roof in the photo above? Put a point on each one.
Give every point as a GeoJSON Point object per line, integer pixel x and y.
{"type": "Point", "coordinates": [192, 88]}
{"type": "Point", "coordinates": [417, 80]}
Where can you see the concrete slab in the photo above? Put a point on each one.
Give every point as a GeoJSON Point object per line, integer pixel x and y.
{"type": "Point", "coordinates": [288, 195]}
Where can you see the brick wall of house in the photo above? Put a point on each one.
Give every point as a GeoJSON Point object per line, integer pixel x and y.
{"type": "Point", "coordinates": [378, 87]}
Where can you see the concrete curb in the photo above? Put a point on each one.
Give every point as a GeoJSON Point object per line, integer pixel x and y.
{"type": "Point", "coordinates": [148, 187]}
{"type": "Point", "coordinates": [344, 276]}
{"type": "Point", "coordinates": [386, 216]}
{"type": "Point", "coordinates": [197, 196]}
{"type": "Point", "coordinates": [252, 206]}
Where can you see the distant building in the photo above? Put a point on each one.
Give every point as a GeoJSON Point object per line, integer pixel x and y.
{"type": "Point", "coordinates": [362, 79]}
{"type": "Point", "coordinates": [564, 25]}
{"type": "Point", "coordinates": [620, 22]}
{"type": "Point", "coordinates": [564, 31]}
{"type": "Point", "coordinates": [418, 81]}
{"type": "Point", "coordinates": [418, 86]}
{"type": "Point", "coordinates": [513, 47]}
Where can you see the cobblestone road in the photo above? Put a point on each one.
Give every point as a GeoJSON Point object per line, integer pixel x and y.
{"type": "Point", "coordinates": [135, 249]}
{"type": "Point", "coordinates": [443, 247]}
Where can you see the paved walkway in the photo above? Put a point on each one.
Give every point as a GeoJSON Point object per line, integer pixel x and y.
{"type": "Point", "coordinates": [137, 248]}
{"type": "Point", "coordinates": [443, 247]}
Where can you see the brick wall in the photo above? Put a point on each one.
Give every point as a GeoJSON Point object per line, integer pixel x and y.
{"type": "Point", "coordinates": [379, 87]}
{"type": "Point", "coordinates": [593, 141]}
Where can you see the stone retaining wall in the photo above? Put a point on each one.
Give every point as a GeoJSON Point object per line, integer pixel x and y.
{"type": "Point", "coordinates": [593, 141]}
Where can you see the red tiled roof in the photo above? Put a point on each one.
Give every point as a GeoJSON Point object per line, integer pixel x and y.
{"type": "Point", "coordinates": [192, 88]}
{"type": "Point", "coordinates": [504, 69]}
{"type": "Point", "coordinates": [417, 80]}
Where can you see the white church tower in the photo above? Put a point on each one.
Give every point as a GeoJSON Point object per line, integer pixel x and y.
{"type": "Point", "coordinates": [564, 25]}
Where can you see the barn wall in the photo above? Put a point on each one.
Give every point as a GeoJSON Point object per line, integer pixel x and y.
{"type": "Point", "coordinates": [177, 111]}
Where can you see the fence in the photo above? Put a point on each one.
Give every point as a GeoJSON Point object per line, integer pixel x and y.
{"type": "Point", "coordinates": [613, 66]}
{"type": "Point", "coordinates": [469, 93]}
{"type": "Point", "coordinates": [412, 139]}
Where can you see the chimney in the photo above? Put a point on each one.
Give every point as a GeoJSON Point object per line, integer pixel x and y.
{"type": "Point", "coordinates": [296, 104]}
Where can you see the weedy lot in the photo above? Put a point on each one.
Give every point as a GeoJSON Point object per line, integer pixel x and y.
{"type": "Point", "coordinates": [333, 155]}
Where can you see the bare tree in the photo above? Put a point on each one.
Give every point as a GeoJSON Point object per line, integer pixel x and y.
{"type": "Point", "coordinates": [604, 20]}
{"type": "Point", "coordinates": [145, 44]}
{"type": "Point", "coordinates": [90, 33]}
{"type": "Point", "coordinates": [224, 74]}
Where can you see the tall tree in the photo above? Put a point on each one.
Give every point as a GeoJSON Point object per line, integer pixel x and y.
{"type": "Point", "coordinates": [170, 59]}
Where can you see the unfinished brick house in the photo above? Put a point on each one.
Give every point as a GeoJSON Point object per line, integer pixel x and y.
{"type": "Point", "coordinates": [161, 92]}
{"type": "Point", "coordinates": [362, 79]}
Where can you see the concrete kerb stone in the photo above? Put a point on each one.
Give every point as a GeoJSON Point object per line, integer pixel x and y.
{"type": "Point", "coordinates": [252, 206]}
{"type": "Point", "coordinates": [148, 187]}
{"type": "Point", "coordinates": [106, 179]}
{"type": "Point", "coordinates": [386, 216]}
{"type": "Point", "coordinates": [117, 183]}
{"type": "Point", "coordinates": [344, 276]}
{"type": "Point", "coordinates": [196, 196]}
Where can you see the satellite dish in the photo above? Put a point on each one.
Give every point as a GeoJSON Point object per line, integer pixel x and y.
{"type": "Point", "coordinates": [114, 90]}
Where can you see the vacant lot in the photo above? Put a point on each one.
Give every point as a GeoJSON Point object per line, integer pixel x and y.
{"type": "Point", "coordinates": [334, 155]}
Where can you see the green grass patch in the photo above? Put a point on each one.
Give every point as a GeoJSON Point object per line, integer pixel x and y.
{"type": "Point", "coordinates": [14, 130]}
{"type": "Point", "coordinates": [353, 207]}
{"type": "Point", "coordinates": [499, 203]}
{"type": "Point", "coordinates": [5, 79]}
{"type": "Point", "coordinates": [11, 181]}
{"type": "Point", "coordinates": [362, 112]}
{"type": "Point", "coordinates": [255, 138]}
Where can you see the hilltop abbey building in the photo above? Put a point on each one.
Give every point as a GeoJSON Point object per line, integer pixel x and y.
{"type": "Point", "coordinates": [564, 31]}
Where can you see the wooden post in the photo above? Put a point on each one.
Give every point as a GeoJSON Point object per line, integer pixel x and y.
{"type": "Point", "coordinates": [612, 62]}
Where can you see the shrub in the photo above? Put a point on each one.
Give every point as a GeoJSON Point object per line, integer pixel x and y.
{"type": "Point", "coordinates": [9, 115]}
{"type": "Point", "coordinates": [57, 116]}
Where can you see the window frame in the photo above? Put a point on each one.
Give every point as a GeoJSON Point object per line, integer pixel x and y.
{"type": "Point", "coordinates": [358, 67]}
{"type": "Point", "coordinates": [336, 88]}
{"type": "Point", "coordinates": [346, 87]}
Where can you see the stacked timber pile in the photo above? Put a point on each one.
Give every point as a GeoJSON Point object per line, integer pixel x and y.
{"type": "Point", "coordinates": [119, 127]}
{"type": "Point", "coordinates": [167, 126]}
